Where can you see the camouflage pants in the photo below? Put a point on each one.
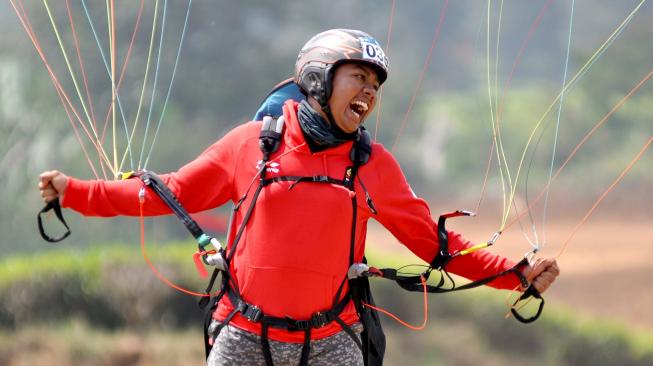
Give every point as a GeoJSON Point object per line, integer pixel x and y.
{"type": "Point", "coordinates": [234, 346]}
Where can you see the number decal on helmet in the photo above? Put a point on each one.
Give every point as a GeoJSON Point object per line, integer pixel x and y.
{"type": "Point", "coordinates": [373, 51]}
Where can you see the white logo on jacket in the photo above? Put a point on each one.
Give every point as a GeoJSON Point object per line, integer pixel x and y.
{"type": "Point", "coordinates": [273, 167]}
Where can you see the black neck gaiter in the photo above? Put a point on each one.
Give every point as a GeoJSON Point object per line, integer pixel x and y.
{"type": "Point", "coordinates": [318, 132]}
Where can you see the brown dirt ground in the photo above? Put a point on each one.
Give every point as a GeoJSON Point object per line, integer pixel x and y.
{"type": "Point", "coordinates": [606, 269]}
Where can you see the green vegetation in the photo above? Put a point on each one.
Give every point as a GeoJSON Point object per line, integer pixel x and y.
{"type": "Point", "coordinates": [87, 302]}
{"type": "Point", "coordinates": [236, 51]}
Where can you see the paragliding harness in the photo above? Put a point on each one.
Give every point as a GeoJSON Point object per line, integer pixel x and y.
{"type": "Point", "coordinates": [372, 338]}
{"type": "Point", "coordinates": [372, 342]}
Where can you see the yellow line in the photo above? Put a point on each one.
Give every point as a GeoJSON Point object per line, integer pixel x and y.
{"type": "Point", "coordinates": [147, 70]}
{"type": "Point", "coordinates": [557, 98]}
{"type": "Point", "coordinates": [70, 69]}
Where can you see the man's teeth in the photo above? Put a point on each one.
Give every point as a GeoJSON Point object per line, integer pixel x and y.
{"type": "Point", "coordinates": [358, 107]}
{"type": "Point", "coordinates": [361, 105]}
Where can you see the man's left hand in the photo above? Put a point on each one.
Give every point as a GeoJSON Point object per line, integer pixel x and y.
{"type": "Point", "coordinates": [542, 273]}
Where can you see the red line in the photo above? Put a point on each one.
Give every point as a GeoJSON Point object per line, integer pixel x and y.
{"type": "Point", "coordinates": [404, 122]}
{"type": "Point", "coordinates": [24, 19]}
{"type": "Point", "coordinates": [485, 177]}
{"type": "Point", "coordinates": [156, 272]}
{"type": "Point", "coordinates": [582, 142]}
{"type": "Point", "coordinates": [387, 51]}
{"type": "Point", "coordinates": [603, 195]}
{"type": "Point", "coordinates": [124, 66]}
{"type": "Point", "coordinates": [409, 326]}
{"type": "Point", "coordinates": [504, 92]}
{"type": "Point", "coordinates": [531, 31]}
{"type": "Point", "coordinates": [79, 138]}
{"type": "Point", "coordinates": [89, 99]}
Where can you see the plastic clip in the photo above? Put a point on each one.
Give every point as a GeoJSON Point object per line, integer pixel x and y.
{"type": "Point", "coordinates": [198, 259]}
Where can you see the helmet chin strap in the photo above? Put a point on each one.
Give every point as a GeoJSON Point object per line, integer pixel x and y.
{"type": "Point", "coordinates": [324, 105]}
{"type": "Point", "coordinates": [327, 110]}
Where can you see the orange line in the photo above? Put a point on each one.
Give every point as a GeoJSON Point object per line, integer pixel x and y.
{"type": "Point", "coordinates": [113, 80]}
{"type": "Point", "coordinates": [30, 32]}
{"type": "Point", "coordinates": [582, 142]}
{"type": "Point", "coordinates": [422, 75]}
{"type": "Point", "coordinates": [531, 31]}
{"type": "Point", "coordinates": [504, 92]}
{"type": "Point", "coordinates": [124, 66]}
{"type": "Point", "coordinates": [604, 194]}
{"type": "Point", "coordinates": [78, 137]}
{"type": "Point", "coordinates": [486, 176]}
{"type": "Point", "coordinates": [81, 63]}
{"type": "Point", "coordinates": [409, 326]}
{"type": "Point", "coordinates": [387, 51]}
{"type": "Point", "coordinates": [158, 274]}
{"type": "Point", "coordinates": [24, 19]}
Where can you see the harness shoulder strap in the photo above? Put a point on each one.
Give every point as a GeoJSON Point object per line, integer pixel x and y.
{"type": "Point", "coordinates": [270, 137]}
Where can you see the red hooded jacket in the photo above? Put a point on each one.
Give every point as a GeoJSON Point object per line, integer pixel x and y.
{"type": "Point", "coordinates": [294, 252]}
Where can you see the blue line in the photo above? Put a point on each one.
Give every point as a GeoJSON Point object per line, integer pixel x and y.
{"type": "Point", "coordinates": [172, 79]}
{"type": "Point", "coordinates": [156, 78]}
{"type": "Point", "coordinates": [555, 138]}
{"type": "Point", "coordinates": [106, 66]}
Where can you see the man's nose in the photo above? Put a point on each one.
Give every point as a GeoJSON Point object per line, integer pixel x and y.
{"type": "Point", "coordinates": [370, 90]}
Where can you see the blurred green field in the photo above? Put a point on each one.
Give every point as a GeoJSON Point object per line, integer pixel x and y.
{"type": "Point", "coordinates": [103, 306]}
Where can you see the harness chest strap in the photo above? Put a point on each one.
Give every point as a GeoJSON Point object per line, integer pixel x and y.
{"type": "Point", "coordinates": [269, 142]}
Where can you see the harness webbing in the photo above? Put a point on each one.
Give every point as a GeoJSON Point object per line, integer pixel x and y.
{"type": "Point", "coordinates": [415, 283]}
{"type": "Point", "coordinates": [252, 312]}
{"type": "Point", "coordinates": [56, 207]}
{"type": "Point", "coordinates": [297, 179]}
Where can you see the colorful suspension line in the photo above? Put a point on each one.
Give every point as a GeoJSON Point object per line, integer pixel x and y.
{"type": "Point", "coordinates": [146, 75]}
{"type": "Point", "coordinates": [115, 97]}
{"type": "Point", "coordinates": [110, 69]}
{"type": "Point", "coordinates": [110, 109]}
{"type": "Point", "coordinates": [62, 47]}
{"type": "Point", "coordinates": [581, 72]}
{"type": "Point", "coordinates": [577, 76]}
{"type": "Point", "coordinates": [589, 213]}
{"type": "Point", "coordinates": [214, 257]}
{"type": "Point", "coordinates": [422, 74]}
{"type": "Point", "coordinates": [172, 79]}
{"type": "Point", "coordinates": [387, 51]}
{"type": "Point", "coordinates": [582, 142]}
{"type": "Point", "coordinates": [80, 61]}
{"type": "Point", "coordinates": [535, 242]}
{"type": "Point", "coordinates": [63, 96]}
{"type": "Point", "coordinates": [155, 82]}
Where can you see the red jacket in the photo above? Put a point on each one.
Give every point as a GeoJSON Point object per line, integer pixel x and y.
{"type": "Point", "coordinates": [294, 252]}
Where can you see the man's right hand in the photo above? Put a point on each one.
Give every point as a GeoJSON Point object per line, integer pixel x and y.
{"type": "Point", "coordinates": [52, 184]}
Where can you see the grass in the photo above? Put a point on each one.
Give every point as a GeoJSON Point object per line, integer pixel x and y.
{"type": "Point", "coordinates": [57, 295]}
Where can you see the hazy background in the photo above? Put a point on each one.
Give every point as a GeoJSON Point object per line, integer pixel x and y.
{"type": "Point", "coordinates": [234, 52]}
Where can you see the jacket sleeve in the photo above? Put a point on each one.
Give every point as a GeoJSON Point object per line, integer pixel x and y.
{"type": "Point", "coordinates": [409, 219]}
{"type": "Point", "coordinates": [204, 183]}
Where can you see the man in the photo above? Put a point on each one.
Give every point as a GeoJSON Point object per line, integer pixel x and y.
{"type": "Point", "coordinates": [298, 232]}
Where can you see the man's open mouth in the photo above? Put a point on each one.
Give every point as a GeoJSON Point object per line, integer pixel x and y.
{"type": "Point", "coordinates": [359, 108]}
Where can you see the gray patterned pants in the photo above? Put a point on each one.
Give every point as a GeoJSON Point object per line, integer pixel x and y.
{"type": "Point", "coordinates": [235, 347]}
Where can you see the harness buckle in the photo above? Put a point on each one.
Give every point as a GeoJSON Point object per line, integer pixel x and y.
{"type": "Point", "coordinates": [319, 319]}
{"type": "Point", "coordinates": [251, 312]}
{"type": "Point", "coordinates": [298, 324]}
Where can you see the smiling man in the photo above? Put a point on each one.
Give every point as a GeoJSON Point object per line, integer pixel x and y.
{"type": "Point", "coordinates": [288, 297]}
